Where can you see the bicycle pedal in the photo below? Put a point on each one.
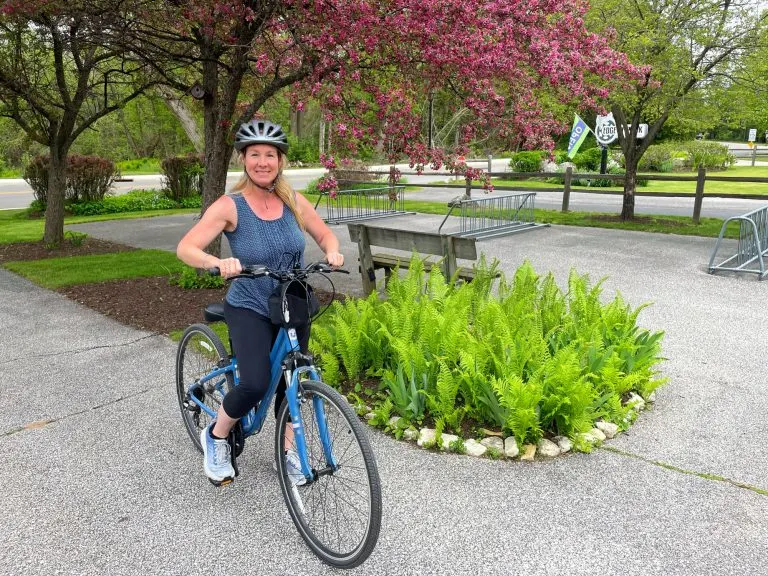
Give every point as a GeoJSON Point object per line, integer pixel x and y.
{"type": "Point", "coordinates": [220, 483]}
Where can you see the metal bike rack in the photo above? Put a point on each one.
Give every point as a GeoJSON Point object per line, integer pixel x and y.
{"type": "Point", "coordinates": [494, 215]}
{"type": "Point", "coordinates": [363, 204]}
{"type": "Point", "coordinates": [752, 247]}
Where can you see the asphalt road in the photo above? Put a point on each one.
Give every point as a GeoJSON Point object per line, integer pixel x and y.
{"type": "Point", "coordinates": [15, 193]}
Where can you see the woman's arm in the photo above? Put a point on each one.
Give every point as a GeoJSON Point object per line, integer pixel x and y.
{"type": "Point", "coordinates": [220, 216]}
{"type": "Point", "coordinates": [320, 232]}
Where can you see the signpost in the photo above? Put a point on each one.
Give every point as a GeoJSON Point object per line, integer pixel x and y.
{"type": "Point", "coordinates": [752, 137]}
{"type": "Point", "coordinates": [605, 133]}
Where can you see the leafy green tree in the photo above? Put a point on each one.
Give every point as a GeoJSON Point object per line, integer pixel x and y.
{"type": "Point", "coordinates": [60, 71]}
{"type": "Point", "coordinates": [683, 45]}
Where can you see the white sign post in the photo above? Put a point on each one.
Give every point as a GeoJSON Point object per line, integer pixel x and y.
{"type": "Point", "coordinates": [752, 137]}
{"type": "Point", "coordinates": [605, 133]}
{"type": "Point", "coordinates": [605, 129]}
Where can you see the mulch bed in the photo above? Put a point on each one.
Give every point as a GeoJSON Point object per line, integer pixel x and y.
{"type": "Point", "coordinates": [147, 303]}
{"type": "Point", "coordinates": [39, 251]}
{"type": "Point", "coordinates": [151, 304]}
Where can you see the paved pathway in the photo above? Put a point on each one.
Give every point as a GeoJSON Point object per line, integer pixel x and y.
{"type": "Point", "coordinates": [112, 485]}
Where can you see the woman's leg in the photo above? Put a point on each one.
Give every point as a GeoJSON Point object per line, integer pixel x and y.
{"type": "Point", "coordinates": [252, 337]}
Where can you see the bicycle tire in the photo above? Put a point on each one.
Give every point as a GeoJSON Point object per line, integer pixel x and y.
{"type": "Point", "coordinates": [200, 351]}
{"type": "Point", "coordinates": [344, 546]}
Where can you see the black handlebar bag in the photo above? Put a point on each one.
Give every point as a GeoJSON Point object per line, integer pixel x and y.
{"type": "Point", "coordinates": [292, 304]}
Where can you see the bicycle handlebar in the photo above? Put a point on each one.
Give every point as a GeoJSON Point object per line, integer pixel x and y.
{"type": "Point", "coordinates": [258, 271]}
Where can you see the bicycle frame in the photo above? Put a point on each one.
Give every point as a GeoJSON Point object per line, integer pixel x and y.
{"type": "Point", "coordinates": [285, 345]}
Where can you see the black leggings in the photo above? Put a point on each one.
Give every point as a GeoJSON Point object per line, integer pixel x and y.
{"type": "Point", "coordinates": [252, 337]}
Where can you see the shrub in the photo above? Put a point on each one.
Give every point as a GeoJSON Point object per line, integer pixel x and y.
{"type": "Point", "coordinates": [136, 201]}
{"type": "Point", "coordinates": [602, 182]}
{"type": "Point", "coordinates": [588, 160]}
{"type": "Point", "coordinates": [182, 176]}
{"type": "Point", "coordinates": [657, 158]}
{"type": "Point", "coordinates": [303, 150]}
{"type": "Point", "coordinates": [191, 279]}
{"type": "Point", "coordinates": [711, 155]}
{"type": "Point", "coordinates": [88, 178]}
{"type": "Point", "coordinates": [526, 161]}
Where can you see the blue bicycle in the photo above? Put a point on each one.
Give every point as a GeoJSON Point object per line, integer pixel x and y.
{"type": "Point", "coordinates": [337, 507]}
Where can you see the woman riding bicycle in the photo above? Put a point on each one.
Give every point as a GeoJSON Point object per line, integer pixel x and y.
{"type": "Point", "coordinates": [264, 220]}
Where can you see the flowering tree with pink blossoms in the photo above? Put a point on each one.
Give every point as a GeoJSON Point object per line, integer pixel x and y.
{"type": "Point", "coordinates": [370, 63]}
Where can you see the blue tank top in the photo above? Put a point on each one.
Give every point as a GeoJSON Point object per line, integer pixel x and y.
{"type": "Point", "coordinates": [277, 244]}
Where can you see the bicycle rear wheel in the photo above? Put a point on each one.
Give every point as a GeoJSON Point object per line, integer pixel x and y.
{"type": "Point", "coordinates": [339, 512]}
{"type": "Point", "coordinates": [200, 351]}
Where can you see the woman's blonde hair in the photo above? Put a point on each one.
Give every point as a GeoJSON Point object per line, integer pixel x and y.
{"type": "Point", "coordinates": [282, 188]}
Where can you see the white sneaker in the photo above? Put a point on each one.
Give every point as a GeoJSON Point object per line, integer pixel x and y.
{"type": "Point", "coordinates": [292, 468]}
{"type": "Point", "coordinates": [217, 459]}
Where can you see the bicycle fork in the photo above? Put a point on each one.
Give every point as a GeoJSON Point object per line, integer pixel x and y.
{"type": "Point", "coordinates": [295, 398]}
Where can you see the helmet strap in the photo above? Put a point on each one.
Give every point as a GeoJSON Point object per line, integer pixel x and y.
{"type": "Point", "coordinates": [271, 188]}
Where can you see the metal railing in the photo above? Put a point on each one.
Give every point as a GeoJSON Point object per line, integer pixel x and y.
{"type": "Point", "coordinates": [494, 215]}
{"type": "Point", "coordinates": [363, 204]}
{"type": "Point", "coordinates": [752, 247]}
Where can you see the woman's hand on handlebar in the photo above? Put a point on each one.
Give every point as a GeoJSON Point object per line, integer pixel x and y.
{"type": "Point", "coordinates": [229, 267]}
{"type": "Point", "coordinates": [335, 259]}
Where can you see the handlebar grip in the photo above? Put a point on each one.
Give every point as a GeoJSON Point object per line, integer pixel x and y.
{"type": "Point", "coordinates": [214, 271]}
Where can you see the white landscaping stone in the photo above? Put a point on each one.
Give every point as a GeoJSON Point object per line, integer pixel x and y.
{"type": "Point", "coordinates": [370, 416]}
{"type": "Point", "coordinates": [493, 442]}
{"type": "Point", "coordinates": [529, 452]}
{"type": "Point", "coordinates": [586, 437]}
{"type": "Point", "coordinates": [564, 443]}
{"type": "Point", "coordinates": [652, 397]}
{"type": "Point", "coordinates": [474, 448]}
{"type": "Point", "coordinates": [447, 439]}
{"type": "Point", "coordinates": [597, 433]}
{"type": "Point", "coordinates": [547, 448]}
{"type": "Point", "coordinates": [393, 421]}
{"type": "Point", "coordinates": [608, 428]}
{"type": "Point", "coordinates": [410, 434]}
{"type": "Point", "coordinates": [510, 447]}
{"type": "Point", "coordinates": [636, 402]}
{"type": "Point", "coordinates": [426, 436]}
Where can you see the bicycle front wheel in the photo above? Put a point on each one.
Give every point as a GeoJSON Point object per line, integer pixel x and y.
{"type": "Point", "coordinates": [200, 352]}
{"type": "Point", "coordinates": [338, 512]}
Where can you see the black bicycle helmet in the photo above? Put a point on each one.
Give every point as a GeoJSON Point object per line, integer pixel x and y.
{"type": "Point", "coordinates": [261, 132]}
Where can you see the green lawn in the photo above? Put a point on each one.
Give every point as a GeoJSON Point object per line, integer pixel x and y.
{"type": "Point", "coordinates": [16, 227]}
{"type": "Point", "coordinates": [751, 188]}
{"type": "Point", "coordinates": [67, 271]}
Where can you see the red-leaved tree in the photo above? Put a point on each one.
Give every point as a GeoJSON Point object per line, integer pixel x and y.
{"type": "Point", "coordinates": [371, 63]}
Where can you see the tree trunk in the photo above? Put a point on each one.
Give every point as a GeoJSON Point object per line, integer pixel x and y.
{"type": "Point", "coordinates": [184, 115]}
{"type": "Point", "coordinates": [630, 183]}
{"type": "Point", "coordinates": [54, 211]}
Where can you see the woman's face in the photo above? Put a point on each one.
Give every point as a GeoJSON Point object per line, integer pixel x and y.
{"type": "Point", "coordinates": [262, 163]}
